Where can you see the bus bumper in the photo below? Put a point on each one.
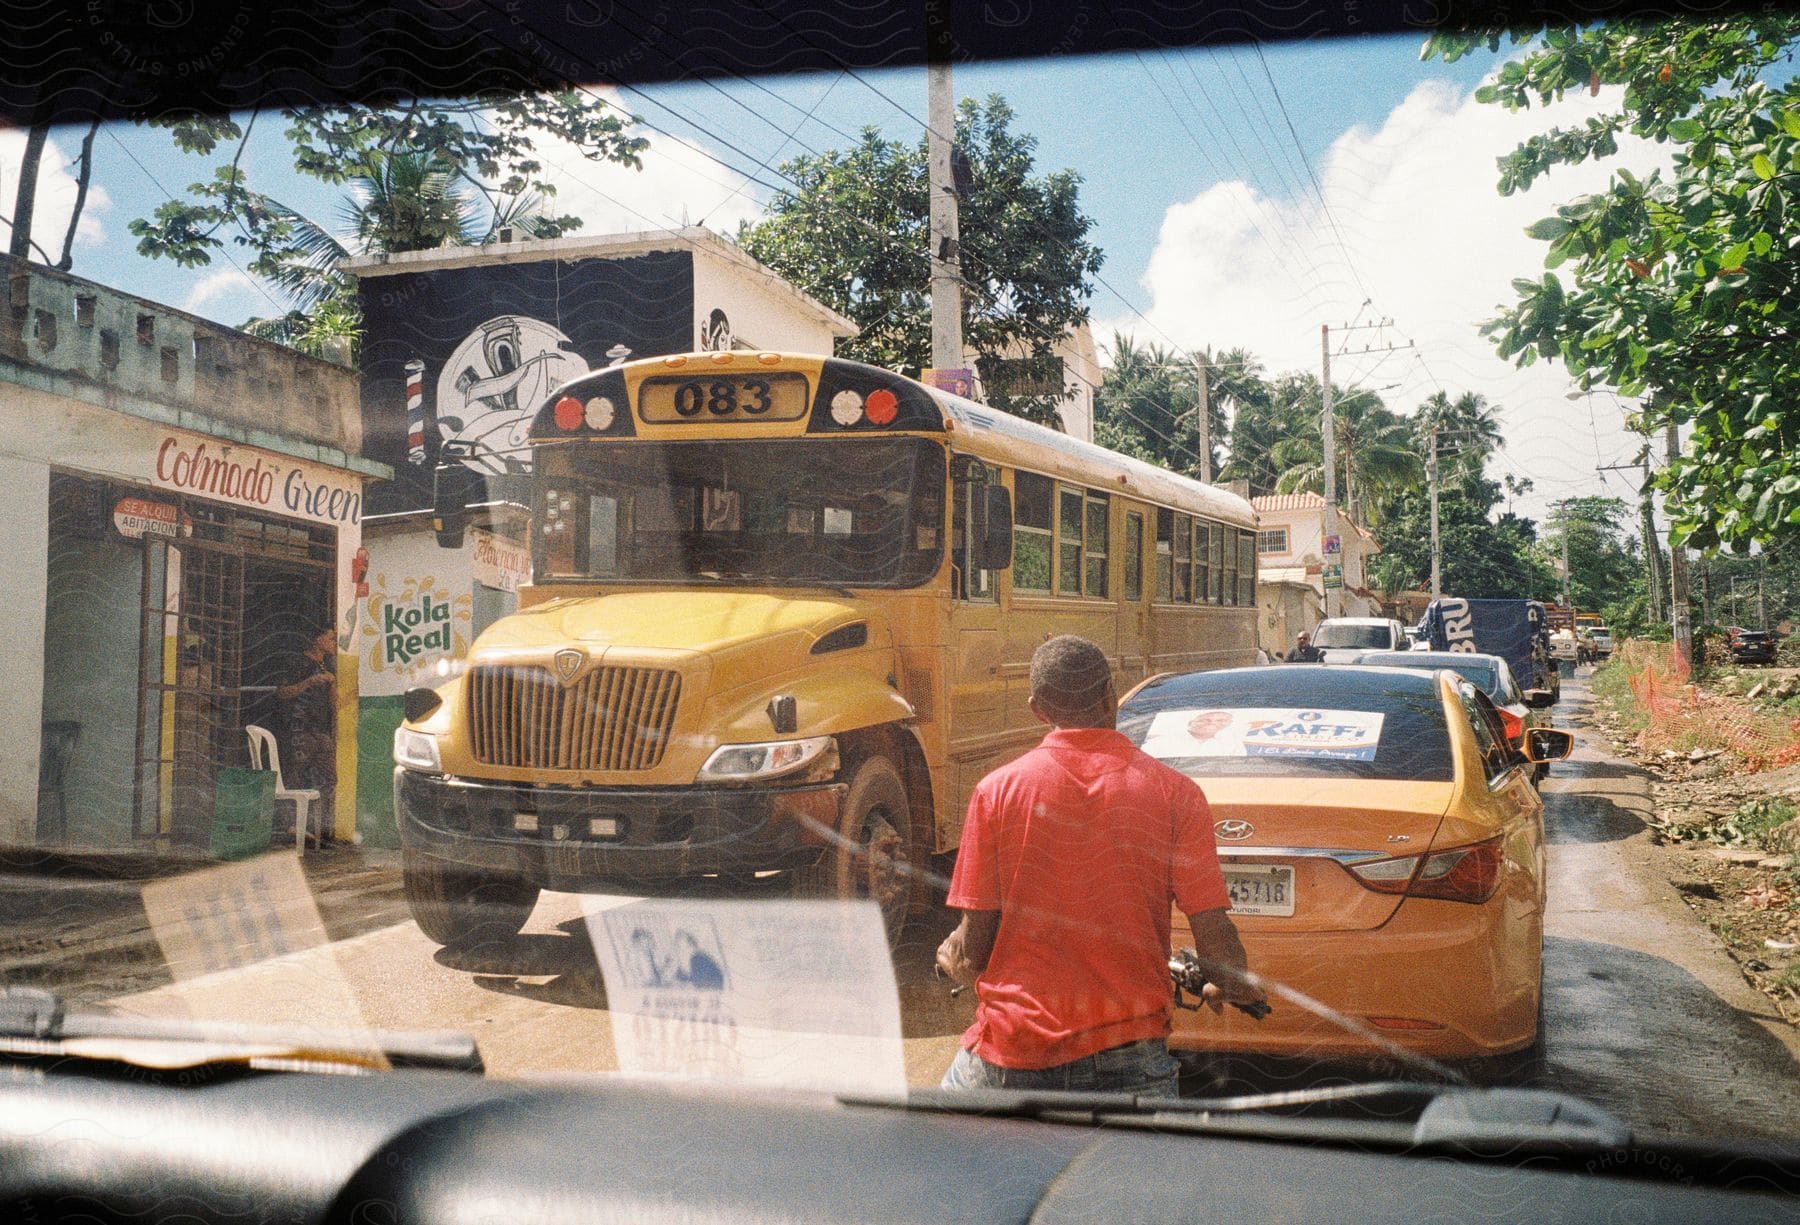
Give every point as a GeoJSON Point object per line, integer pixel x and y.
{"type": "Point", "coordinates": [570, 839]}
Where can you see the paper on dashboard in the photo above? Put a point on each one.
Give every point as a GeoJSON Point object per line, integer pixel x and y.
{"type": "Point", "coordinates": [787, 994]}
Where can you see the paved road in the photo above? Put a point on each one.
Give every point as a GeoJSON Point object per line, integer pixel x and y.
{"type": "Point", "coordinates": [1644, 1011]}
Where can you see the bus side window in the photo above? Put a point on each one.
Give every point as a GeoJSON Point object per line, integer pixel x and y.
{"type": "Point", "coordinates": [1034, 499]}
{"type": "Point", "coordinates": [970, 494]}
{"type": "Point", "coordinates": [1134, 556]}
{"type": "Point", "coordinates": [1068, 540]}
{"type": "Point", "coordinates": [1218, 563]}
{"type": "Point", "coordinates": [1165, 538]}
{"type": "Point", "coordinates": [1203, 561]}
{"type": "Point", "coordinates": [1099, 510]}
{"type": "Point", "coordinates": [1184, 560]}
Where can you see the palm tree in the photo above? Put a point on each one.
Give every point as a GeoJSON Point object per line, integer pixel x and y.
{"type": "Point", "coordinates": [1375, 455]}
{"type": "Point", "coordinates": [1468, 421]}
{"type": "Point", "coordinates": [397, 202]}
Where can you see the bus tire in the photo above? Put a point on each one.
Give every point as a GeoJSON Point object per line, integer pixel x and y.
{"type": "Point", "coordinates": [456, 907]}
{"type": "Point", "coordinates": [873, 858]}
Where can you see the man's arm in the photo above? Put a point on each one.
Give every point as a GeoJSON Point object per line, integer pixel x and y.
{"type": "Point", "coordinates": [965, 952]}
{"type": "Point", "coordinates": [1223, 960]}
{"type": "Point", "coordinates": [288, 693]}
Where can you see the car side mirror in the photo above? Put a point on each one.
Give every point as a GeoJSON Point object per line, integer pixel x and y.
{"type": "Point", "coordinates": [1537, 699]}
{"type": "Point", "coordinates": [994, 543]}
{"type": "Point", "coordinates": [1548, 744]}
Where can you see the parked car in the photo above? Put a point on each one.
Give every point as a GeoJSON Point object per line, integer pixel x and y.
{"type": "Point", "coordinates": [1753, 647]}
{"type": "Point", "coordinates": [1383, 847]}
{"type": "Point", "coordinates": [1603, 643]}
{"type": "Point", "coordinates": [1337, 637]}
{"type": "Point", "coordinates": [1519, 709]}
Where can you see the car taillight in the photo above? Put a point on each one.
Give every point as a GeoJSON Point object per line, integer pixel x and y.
{"type": "Point", "coordinates": [1463, 874]}
{"type": "Point", "coordinates": [1514, 725]}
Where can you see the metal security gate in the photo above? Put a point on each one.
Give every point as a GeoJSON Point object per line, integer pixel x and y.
{"type": "Point", "coordinates": [190, 660]}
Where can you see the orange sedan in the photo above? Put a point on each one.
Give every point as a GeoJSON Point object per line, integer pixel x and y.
{"type": "Point", "coordinates": [1384, 850]}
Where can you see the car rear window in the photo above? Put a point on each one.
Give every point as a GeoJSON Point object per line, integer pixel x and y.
{"type": "Point", "coordinates": [1475, 671]}
{"type": "Point", "coordinates": [1353, 636]}
{"type": "Point", "coordinates": [1375, 724]}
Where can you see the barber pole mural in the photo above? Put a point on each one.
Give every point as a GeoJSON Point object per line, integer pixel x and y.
{"type": "Point", "coordinates": [415, 412]}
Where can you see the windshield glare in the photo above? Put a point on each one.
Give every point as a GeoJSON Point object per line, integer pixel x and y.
{"type": "Point", "coordinates": [867, 512]}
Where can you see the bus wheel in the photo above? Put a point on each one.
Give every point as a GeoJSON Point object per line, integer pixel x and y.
{"type": "Point", "coordinates": [454, 906]}
{"type": "Point", "coordinates": [873, 857]}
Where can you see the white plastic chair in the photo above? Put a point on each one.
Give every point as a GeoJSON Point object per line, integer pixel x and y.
{"type": "Point", "coordinates": [263, 749]}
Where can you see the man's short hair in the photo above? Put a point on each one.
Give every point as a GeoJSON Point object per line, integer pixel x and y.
{"type": "Point", "coordinates": [1069, 675]}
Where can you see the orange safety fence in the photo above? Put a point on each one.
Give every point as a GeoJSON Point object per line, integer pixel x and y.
{"type": "Point", "coordinates": [1680, 715]}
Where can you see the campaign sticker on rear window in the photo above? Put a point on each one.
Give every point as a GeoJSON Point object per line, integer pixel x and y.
{"type": "Point", "coordinates": [1343, 735]}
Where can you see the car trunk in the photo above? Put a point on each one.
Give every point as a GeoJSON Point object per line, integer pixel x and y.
{"type": "Point", "coordinates": [1304, 832]}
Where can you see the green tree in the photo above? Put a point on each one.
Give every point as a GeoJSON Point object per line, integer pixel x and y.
{"type": "Point", "coordinates": [1376, 456]}
{"type": "Point", "coordinates": [1683, 289]}
{"type": "Point", "coordinates": [853, 233]}
{"type": "Point", "coordinates": [1153, 391]}
{"type": "Point", "coordinates": [1606, 568]}
{"type": "Point", "coordinates": [1287, 407]}
{"type": "Point", "coordinates": [1483, 557]}
{"type": "Point", "coordinates": [1468, 432]}
{"type": "Point", "coordinates": [416, 175]}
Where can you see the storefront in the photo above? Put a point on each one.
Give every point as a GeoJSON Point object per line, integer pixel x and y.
{"type": "Point", "coordinates": [184, 509]}
{"type": "Point", "coordinates": [184, 579]}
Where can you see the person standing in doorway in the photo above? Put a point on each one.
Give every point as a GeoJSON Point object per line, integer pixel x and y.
{"type": "Point", "coordinates": [310, 757]}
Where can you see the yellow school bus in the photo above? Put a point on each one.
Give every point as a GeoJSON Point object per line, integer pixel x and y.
{"type": "Point", "coordinates": [781, 619]}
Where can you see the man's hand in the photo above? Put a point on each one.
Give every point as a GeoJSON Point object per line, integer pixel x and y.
{"type": "Point", "coordinates": [953, 959]}
{"type": "Point", "coordinates": [1222, 959]}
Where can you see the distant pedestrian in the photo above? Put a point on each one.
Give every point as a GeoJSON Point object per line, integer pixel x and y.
{"type": "Point", "coordinates": [1304, 651]}
{"type": "Point", "coordinates": [309, 757]}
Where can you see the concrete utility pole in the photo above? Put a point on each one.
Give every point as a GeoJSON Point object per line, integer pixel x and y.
{"type": "Point", "coordinates": [946, 264]}
{"type": "Point", "coordinates": [1680, 619]}
{"type": "Point", "coordinates": [1203, 409]}
{"type": "Point", "coordinates": [1568, 600]}
{"type": "Point", "coordinates": [1330, 447]}
{"type": "Point", "coordinates": [1437, 548]}
{"type": "Point", "coordinates": [1652, 551]}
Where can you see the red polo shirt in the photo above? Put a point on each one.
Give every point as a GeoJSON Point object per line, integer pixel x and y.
{"type": "Point", "coordinates": [1081, 845]}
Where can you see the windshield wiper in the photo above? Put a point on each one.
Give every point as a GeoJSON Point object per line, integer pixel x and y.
{"type": "Point", "coordinates": [1396, 1113]}
{"type": "Point", "coordinates": [36, 1023]}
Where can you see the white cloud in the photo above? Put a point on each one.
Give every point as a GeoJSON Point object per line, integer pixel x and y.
{"type": "Point", "coordinates": [1436, 247]}
{"type": "Point", "coordinates": [55, 196]}
{"type": "Point", "coordinates": [677, 185]}
{"type": "Point", "coordinates": [226, 283]}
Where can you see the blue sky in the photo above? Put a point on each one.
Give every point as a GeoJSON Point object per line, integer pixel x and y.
{"type": "Point", "coordinates": [1204, 204]}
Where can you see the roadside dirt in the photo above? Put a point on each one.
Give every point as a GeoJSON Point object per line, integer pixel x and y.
{"type": "Point", "coordinates": [1736, 831]}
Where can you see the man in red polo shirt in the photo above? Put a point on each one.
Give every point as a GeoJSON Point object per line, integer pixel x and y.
{"type": "Point", "coordinates": [1071, 857]}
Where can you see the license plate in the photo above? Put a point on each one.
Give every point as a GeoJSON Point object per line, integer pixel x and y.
{"type": "Point", "coordinates": [1257, 890]}
{"type": "Point", "coordinates": [777, 396]}
{"type": "Point", "coordinates": [603, 827]}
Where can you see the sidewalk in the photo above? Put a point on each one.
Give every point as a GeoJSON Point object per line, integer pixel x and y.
{"type": "Point", "coordinates": [74, 924]}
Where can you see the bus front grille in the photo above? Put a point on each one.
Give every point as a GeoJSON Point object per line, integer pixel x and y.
{"type": "Point", "coordinates": [613, 719]}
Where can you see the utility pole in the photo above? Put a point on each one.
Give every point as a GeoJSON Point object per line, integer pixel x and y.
{"type": "Point", "coordinates": [1652, 551]}
{"type": "Point", "coordinates": [1680, 619]}
{"type": "Point", "coordinates": [1203, 408]}
{"type": "Point", "coordinates": [1568, 601]}
{"type": "Point", "coordinates": [1437, 548]}
{"type": "Point", "coordinates": [1762, 591]}
{"type": "Point", "coordinates": [946, 274]}
{"type": "Point", "coordinates": [1326, 425]}
{"type": "Point", "coordinates": [1330, 475]}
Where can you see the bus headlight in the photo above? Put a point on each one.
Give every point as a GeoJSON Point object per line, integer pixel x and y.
{"type": "Point", "coordinates": [738, 763]}
{"type": "Point", "coordinates": [417, 751]}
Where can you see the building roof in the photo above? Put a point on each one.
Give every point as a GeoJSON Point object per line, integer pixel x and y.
{"type": "Point", "coordinates": [695, 238]}
{"type": "Point", "coordinates": [1305, 501]}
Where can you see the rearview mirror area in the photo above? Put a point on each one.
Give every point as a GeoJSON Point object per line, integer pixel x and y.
{"type": "Point", "coordinates": [1548, 744]}
{"type": "Point", "coordinates": [1537, 699]}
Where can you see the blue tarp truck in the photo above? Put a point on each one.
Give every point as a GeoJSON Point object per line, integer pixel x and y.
{"type": "Point", "coordinates": [1515, 630]}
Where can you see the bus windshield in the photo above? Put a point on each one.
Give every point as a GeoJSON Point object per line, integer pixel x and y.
{"type": "Point", "coordinates": [791, 512]}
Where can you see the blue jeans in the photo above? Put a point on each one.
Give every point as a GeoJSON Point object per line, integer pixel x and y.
{"type": "Point", "coordinates": [1143, 1067]}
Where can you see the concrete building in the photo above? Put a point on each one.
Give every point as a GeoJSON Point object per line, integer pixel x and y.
{"type": "Point", "coordinates": [461, 346]}
{"type": "Point", "coordinates": [1294, 566]}
{"type": "Point", "coordinates": [186, 504]}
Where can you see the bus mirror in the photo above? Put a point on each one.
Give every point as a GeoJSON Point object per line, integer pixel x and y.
{"type": "Point", "coordinates": [996, 544]}
{"type": "Point", "coordinates": [448, 514]}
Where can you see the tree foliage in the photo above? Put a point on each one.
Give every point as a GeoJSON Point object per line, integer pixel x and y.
{"type": "Point", "coordinates": [416, 176]}
{"type": "Point", "coordinates": [1150, 393]}
{"type": "Point", "coordinates": [1681, 288]}
{"type": "Point", "coordinates": [853, 233]}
